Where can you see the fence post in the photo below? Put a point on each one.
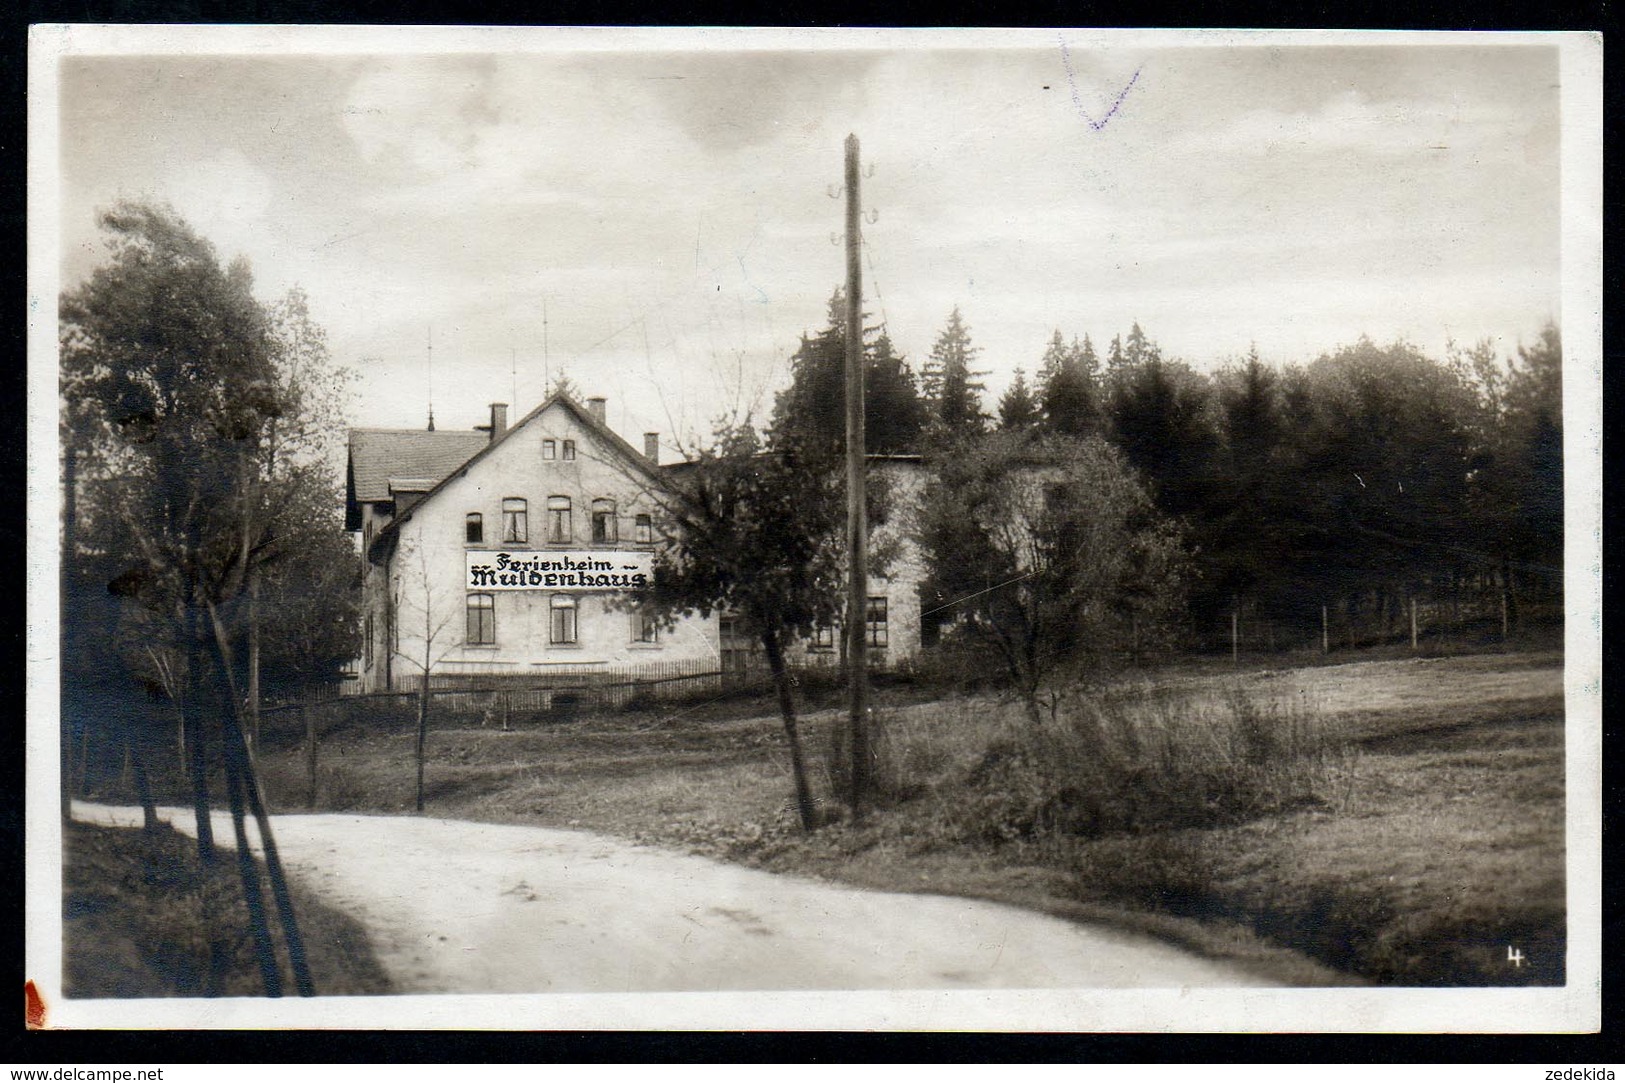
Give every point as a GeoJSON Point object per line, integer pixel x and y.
{"type": "Point", "coordinates": [1325, 632]}
{"type": "Point", "coordinates": [310, 755]}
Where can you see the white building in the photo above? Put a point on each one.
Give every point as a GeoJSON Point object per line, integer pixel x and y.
{"type": "Point", "coordinates": [512, 551]}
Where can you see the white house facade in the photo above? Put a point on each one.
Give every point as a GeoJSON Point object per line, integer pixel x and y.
{"type": "Point", "coordinates": [510, 551]}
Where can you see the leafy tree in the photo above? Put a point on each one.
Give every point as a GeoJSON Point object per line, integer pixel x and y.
{"type": "Point", "coordinates": [1379, 442]}
{"type": "Point", "coordinates": [1515, 486]}
{"type": "Point", "coordinates": [952, 388]}
{"type": "Point", "coordinates": [1018, 409]}
{"type": "Point", "coordinates": [171, 367]}
{"type": "Point", "coordinates": [1048, 550]}
{"type": "Point", "coordinates": [756, 531]}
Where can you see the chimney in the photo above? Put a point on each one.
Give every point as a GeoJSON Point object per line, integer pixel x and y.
{"type": "Point", "coordinates": [595, 407]}
{"type": "Point", "coordinates": [499, 420]}
{"type": "Point", "coordinates": [651, 447]}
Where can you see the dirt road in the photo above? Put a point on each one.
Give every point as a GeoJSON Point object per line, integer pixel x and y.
{"type": "Point", "coordinates": [457, 907]}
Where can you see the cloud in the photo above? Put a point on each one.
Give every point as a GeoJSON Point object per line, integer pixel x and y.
{"type": "Point", "coordinates": [731, 101]}
{"type": "Point", "coordinates": [225, 196]}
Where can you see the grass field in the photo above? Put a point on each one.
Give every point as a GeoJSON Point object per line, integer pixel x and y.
{"type": "Point", "coordinates": [133, 924]}
{"type": "Point", "coordinates": [1410, 832]}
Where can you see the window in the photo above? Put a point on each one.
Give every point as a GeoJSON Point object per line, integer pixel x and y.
{"type": "Point", "coordinates": [366, 638]}
{"type": "Point", "coordinates": [735, 649]}
{"type": "Point", "coordinates": [603, 521]}
{"type": "Point", "coordinates": [562, 627]}
{"type": "Point", "coordinates": [646, 628]}
{"type": "Point", "coordinates": [569, 451]}
{"type": "Point", "coordinates": [558, 519]}
{"type": "Point", "coordinates": [644, 529]}
{"type": "Point", "coordinates": [824, 636]}
{"type": "Point", "coordinates": [482, 619]}
{"type": "Point", "coordinates": [550, 449]}
{"type": "Point", "coordinates": [514, 526]}
{"type": "Point", "coordinates": [474, 528]}
{"type": "Point", "coordinates": [876, 622]}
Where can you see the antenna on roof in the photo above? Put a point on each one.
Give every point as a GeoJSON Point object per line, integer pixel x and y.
{"type": "Point", "coordinates": [431, 377]}
{"type": "Point", "coordinates": [545, 385]}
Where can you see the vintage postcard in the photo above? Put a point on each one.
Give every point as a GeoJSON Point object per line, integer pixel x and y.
{"type": "Point", "coordinates": [467, 592]}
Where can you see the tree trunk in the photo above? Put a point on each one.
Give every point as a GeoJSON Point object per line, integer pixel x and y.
{"type": "Point", "coordinates": [192, 725]}
{"type": "Point", "coordinates": [423, 732]}
{"type": "Point", "coordinates": [787, 710]}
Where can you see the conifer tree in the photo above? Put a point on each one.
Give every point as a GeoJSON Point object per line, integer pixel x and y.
{"type": "Point", "coordinates": [1067, 394]}
{"type": "Point", "coordinates": [1018, 409]}
{"type": "Point", "coordinates": [952, 387]}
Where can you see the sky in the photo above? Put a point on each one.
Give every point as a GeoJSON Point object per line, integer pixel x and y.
{"type": "Point", "coordinates": [659, 218]}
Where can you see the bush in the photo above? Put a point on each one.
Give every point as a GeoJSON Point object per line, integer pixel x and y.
{"type": "Point", "coordinates": [1148, 759]}
{"type": "Point", "coordinates": [1171, 871]}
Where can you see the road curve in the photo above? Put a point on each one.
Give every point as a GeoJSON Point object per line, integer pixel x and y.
{"type": "Point", "coordinates": [459, 907]}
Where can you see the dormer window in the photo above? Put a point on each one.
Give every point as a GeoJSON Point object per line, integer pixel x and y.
{"type": "Point", "coordinates": [603, 521]}
{"type": "Point", "coordinates": [550, 448]}
{"type": "Point", "coordinates": [569, 451]}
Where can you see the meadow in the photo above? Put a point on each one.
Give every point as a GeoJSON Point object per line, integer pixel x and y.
{"type": "Point", "coordinates": [1396, 821]}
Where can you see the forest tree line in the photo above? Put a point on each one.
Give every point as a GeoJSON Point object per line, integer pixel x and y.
{"type": "Point", "coordinates": [1347, 484]}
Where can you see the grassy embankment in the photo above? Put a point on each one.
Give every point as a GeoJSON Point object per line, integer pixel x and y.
{"type": "Point", "coordinates": [1393, 821]}
{"type": "Point", "coordinates": [133, 927]}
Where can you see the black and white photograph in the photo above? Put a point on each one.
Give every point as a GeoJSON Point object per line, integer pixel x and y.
{"type": "Point", "coordinates": [995, 530]}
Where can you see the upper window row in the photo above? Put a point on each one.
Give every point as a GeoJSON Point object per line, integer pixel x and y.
{"type": "Point", "coordinates": [560, 527]}
{"type": "Point", "coordinates": [551, 449]}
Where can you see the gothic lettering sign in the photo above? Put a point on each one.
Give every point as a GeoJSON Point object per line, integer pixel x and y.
{"type": "Point", "coordinates": [560, 570]}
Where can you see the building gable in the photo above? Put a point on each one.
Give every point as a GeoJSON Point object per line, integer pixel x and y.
{"type": "Point", "coordinates": [518, 454]}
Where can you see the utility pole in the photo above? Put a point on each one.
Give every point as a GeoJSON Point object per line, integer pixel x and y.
{"type": "Point", "coordinates": [857, 602]}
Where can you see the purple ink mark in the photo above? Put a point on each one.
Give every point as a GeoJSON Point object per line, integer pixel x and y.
{"type": "Point", "coordinates": [1077, 102]}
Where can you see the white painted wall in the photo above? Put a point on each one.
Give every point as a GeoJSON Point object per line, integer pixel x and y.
{"type": "Point", "coordinates": [424, 581]}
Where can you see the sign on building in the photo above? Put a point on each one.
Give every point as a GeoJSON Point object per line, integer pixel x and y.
{"type": "Point", "coordinates": [560, 570]}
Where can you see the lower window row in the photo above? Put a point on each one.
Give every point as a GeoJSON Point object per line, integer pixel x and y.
{"type": "Point", "coordinates": [563, 623]}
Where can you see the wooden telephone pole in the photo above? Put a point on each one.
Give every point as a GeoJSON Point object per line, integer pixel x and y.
{"type": "Point", "coordinates": [857, 602]}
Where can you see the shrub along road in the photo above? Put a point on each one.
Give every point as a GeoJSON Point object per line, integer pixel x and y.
{"type": "Point", "coordinates": [459, 907]}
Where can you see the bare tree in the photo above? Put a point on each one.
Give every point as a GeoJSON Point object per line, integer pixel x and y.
{"type": "Point", "coordinates": [413, 596]}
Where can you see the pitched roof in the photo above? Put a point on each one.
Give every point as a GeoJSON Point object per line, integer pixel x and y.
{"type": "Point", "coordinates": [377, 455]}
{"type": "Point", "coordinates": [484, 445]}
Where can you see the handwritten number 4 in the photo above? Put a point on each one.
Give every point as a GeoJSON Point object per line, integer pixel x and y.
{"type": "Point", "coordinates": [1514, 956]}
